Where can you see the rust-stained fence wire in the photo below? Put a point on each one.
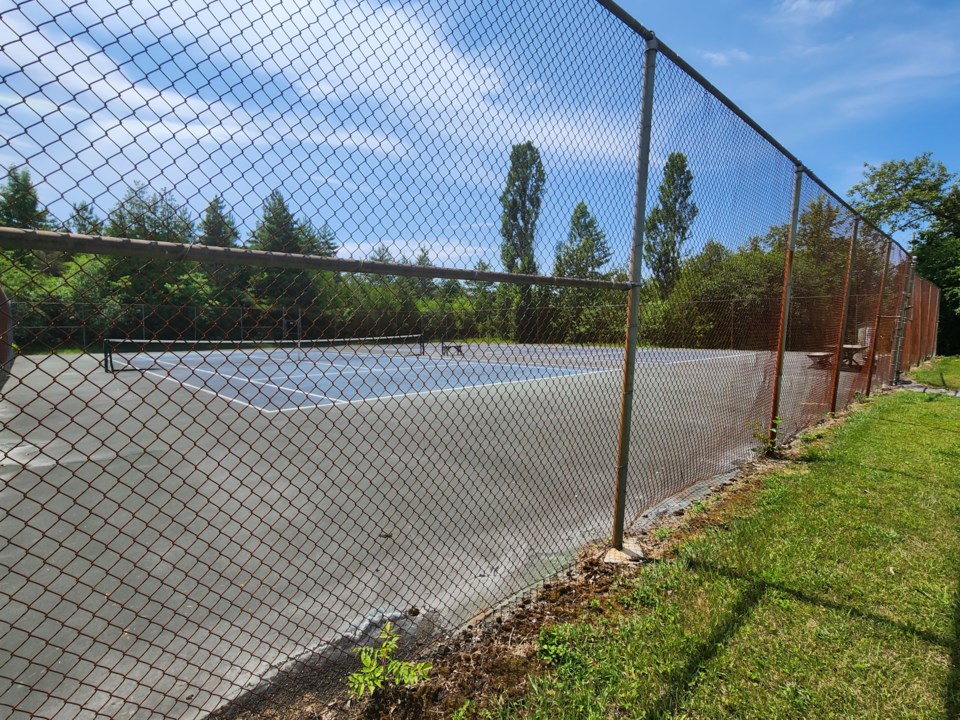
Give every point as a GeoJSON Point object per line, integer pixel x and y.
{"type": "Point", "coordinates": [317, 316]}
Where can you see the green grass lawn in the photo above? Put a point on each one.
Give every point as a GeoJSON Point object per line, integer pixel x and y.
{"type": "Point", "coordinates": [943, 372]}
{"type": "Point", "coordinates": [831, 592]}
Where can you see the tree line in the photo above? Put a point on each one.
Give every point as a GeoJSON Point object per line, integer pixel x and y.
{"type": "Point", "coordinates": [717, 297]}
{"type": "Point", "coordinates": [58, 293]}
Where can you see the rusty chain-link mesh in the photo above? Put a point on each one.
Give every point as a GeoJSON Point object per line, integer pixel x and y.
{"type": "Point", "coordinates": [360, 352]}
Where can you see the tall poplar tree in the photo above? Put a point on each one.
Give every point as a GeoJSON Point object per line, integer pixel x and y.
{"type": "Point", "coordinates": [668, 224]}
{"type": "Point", "coordinates": [521, 200]}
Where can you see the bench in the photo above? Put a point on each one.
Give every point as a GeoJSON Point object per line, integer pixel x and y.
{"type": "Point", "coordinates": [820, 359]}
{"type": "Point", "coordinates": [450, 348]}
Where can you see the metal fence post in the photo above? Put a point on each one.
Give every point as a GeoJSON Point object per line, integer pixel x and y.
{"type": "Point", "coordinates": [633, 309]}
{"type": "Point", "coordinates": [872, 358]}
{"type": "Point", "coordinates": [785, 303]}
{"type": "Point", "coordinates": [844, 308]}
{"type": "Point", "coordinates": [922, 325]}
{"type": "Point", "coordinates": [905, 306]}
{"type": "Point", "coordinates": [936, 321]}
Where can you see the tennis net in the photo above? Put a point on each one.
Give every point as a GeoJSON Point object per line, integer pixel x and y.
{"type": "Point", "coordinates": [151, 353]}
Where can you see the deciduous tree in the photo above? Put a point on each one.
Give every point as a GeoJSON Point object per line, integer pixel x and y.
{"type": "Point", "coordinates": [521, 200]}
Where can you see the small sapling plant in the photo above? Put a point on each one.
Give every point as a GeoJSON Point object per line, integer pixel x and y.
{"type": "Point", "coordinates": [378, 666]}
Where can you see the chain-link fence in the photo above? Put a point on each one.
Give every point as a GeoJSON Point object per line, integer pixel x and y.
{"type": "Point", "coordinates": [331, 314]}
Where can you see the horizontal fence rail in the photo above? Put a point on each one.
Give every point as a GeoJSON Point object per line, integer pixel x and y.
{"type": "Point", "coordinates": [354, 313]}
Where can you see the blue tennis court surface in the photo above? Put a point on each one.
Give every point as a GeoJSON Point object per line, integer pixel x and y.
{"type": "Point", "coordinates": [283, 381]}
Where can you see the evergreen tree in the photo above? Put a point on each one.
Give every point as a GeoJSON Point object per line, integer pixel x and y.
{"type": "Point", "coordinates": [321, 242]}
{"type": "Point", "coordinates": [279, 231]}
{"type": "Point", "coordinates": [153, 283]}
{"type": "Point", "coordinates": [83, 220]}
{"type": "Point", "coordinates": [218, 226]}
{"type": "Point", "coordinates": [581, 255]}
{"type": "Point", "coordinates": [585, 250]}
{"type": "Point", "coordinates": [668, 224]}
{"type": "Point", "coordinates": [20, 204]}
{"type": "Point", "coordinates": [425, 287]}
{"type": "Point", "coordinates": [20, 208]}
{"type": "Point", "coordinates": [150, 216]}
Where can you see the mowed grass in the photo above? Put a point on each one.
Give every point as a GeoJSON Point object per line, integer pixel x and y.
{"type": "Point", "coordinates": [943, 372]}
{"type": "Point", "coordinates": [831, 592]}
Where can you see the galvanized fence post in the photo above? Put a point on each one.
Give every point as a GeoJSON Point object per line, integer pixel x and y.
{"type": "Point", "coordinates": [785, 304]}
{"type": "Point", "coordinates": [872, 358]}
{"type": "Point", "coordinates": [633, 309]}
{"type": "Point", "coordinates": [844, 308]}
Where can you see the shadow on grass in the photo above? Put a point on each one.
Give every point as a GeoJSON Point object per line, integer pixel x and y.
{"type": "Point", "coordinates": [887, 471]}
{"type": "Point", "coordinates": [810, 599]}
{"type": "Point", "coordinates": [924, 425]}
{"type": "Point", "coordinates": [682, 683]}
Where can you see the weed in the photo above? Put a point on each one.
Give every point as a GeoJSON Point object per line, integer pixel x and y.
{"type": "Point", "coordinates": [463, 712]}
{"type": "Point", "coordinates": [767, 438]}
{"type": "Point", "coordinates": [774, 439]}
{"type": "Point", "coordinates": [553, 649]}
{"type": "Point", "coordinates": [378, 666]}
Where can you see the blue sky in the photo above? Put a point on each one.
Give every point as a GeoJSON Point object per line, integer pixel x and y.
{"type": "Point", "coordinates": [394, 121]}
{"type": "Point", "coordinates": [837, 82]}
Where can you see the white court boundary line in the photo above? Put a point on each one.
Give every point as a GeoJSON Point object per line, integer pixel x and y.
{"type": "Point", "coordinates": [210, 391]}
{"type": "Point", "coordinates": [702, 359]}
{"type": "Point", "coordinates": [332, 402]}
{"type": "Point", "coordinates": [359, 401]}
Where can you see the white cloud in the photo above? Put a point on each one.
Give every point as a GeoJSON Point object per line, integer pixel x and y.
{"type": "Point", "coordinates": [724, 58]}
{"type": "Point", "coordinates": [445, 251]}
{"type": "Point", "coordinates": [810, 11]}
{"type": "Point", "coordinates": [924, 65]}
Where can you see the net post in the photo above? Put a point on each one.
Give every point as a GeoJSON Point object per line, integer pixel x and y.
{"type": "Point", "coordinates": [872, 358]}
{"type": "Point", "coordinates": [785, 298]}
{"type": "Point", "coordinates": [844, 310]}
{"type": "Point", "coordinates": [633, 306]}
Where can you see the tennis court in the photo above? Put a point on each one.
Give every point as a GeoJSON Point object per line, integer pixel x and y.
{"type": "Point", "coordinates": [285, 497]}
{"type": "Point", "coordinates": [314, 374]}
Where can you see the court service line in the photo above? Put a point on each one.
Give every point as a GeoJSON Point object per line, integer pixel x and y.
{"type": "Point", "coordinates": [201, 388]}
{"type": "Point", "coordinates": [693, 360]}
{"type": "Point", "coordinates": [437, 391]}
{"type": "Point", "coordinates": [261, 383]}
